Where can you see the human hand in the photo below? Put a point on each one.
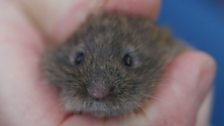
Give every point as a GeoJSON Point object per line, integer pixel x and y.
{"type": "Point", "coordinates": [26, 27]}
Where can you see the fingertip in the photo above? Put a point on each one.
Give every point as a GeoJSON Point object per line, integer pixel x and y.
{"type": "Point", "coordinates": [74, 17]}
{"type": "Point", "coordinates": [201, 63]}
{"type": "Point", "coordinates": [207, 61]}
{"type": "Point", "coordinates": [207, 74]}
{"type": "Point", "coordinates": [196, 68]}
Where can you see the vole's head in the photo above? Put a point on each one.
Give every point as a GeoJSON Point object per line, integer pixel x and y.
{"type": "Point", "coordinates": [107, 68]}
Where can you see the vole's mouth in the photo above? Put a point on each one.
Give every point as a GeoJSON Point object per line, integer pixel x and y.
{"type": "Point", "coordinates": [99, 109]}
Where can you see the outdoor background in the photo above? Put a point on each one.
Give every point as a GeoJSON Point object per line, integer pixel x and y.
{"type": "Point", "coordinates": [201, 23]}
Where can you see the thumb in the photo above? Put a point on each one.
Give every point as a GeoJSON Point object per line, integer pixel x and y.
{"type": "Point", "coordinates": [186, 83]}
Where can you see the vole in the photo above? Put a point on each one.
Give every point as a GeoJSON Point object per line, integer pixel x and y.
{"type": "Point", "coordinates": [111, 65]}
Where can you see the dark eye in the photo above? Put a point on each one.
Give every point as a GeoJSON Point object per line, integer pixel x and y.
{"type": "Point", "coordinates": [79, 58]}
{"type": "Point", "coordinates": [128, 60]}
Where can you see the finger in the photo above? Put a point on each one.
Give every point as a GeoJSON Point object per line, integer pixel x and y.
{"type": "Point", "coordinates": [185, 85]}
{"type": "Point", "coordinates": [58, 19]}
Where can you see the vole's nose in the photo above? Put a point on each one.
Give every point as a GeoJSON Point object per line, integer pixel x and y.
{"type": "Point", "coordinates": [99, 92]}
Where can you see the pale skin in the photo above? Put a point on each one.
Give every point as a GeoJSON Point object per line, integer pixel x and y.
{"type": "Point", "coordinates": [26, 27]}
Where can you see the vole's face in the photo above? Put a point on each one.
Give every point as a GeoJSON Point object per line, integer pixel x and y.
{"type": "Point", "coordinates": [105, 70]}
